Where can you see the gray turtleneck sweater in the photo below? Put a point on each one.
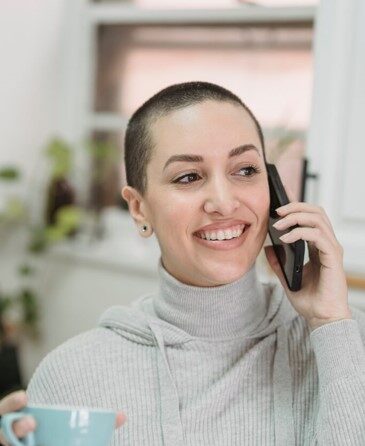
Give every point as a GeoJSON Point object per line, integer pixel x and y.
{"type": "Point", "coordinates": [217, 366]}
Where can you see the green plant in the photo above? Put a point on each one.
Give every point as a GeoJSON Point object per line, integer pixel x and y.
{"type": "Point", "coordinates": [62, 219]}
{"type": "Point", "coordinates": [60, 155]}
{"type": "Point", "coordinates": [12, 215]}
{"type": "Point", "coordinates": [68, 218]}
{"type": "Point", "coordinates": [105, 157]}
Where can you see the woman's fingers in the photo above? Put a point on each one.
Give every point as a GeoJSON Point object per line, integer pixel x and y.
{"type": "Point", "coordinates": [18, 400]}
{"type": "Point", "coordinates": [22, 427]}
{"type": "Point", "coordinates": [325, 247]}
{"type": "Point", "coordinates": [307, 219]}
{"type": "Point", "coordinates": [12, 402]}
{"type": "Point", "coordinates": [301, 206]}
{"type": "Point", "coordinates": [121, 418]}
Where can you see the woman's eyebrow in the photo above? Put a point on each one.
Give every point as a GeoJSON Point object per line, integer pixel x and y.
{"type": "Point", "coordinates": [198, 158]}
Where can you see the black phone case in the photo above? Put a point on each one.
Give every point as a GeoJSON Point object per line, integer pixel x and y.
{"type": "Point", "coordinates": [290, 255]}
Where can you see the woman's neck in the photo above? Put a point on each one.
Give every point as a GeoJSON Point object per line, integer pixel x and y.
{"type": "Point", "coordinates": [225, 311]}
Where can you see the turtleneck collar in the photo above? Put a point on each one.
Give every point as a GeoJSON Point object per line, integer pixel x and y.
{"type": "Point", "coordinates": [231, 310]}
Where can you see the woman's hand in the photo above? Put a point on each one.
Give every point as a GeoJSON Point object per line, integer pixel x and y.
{"type": "Point", "coordinates": [323, 297]}
{"type": "Point", "coordinates": [18, 400]}
{"type": "Point", "coordinates": [11, 403]}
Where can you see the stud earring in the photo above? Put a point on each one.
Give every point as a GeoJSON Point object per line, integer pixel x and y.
{"type": "Point", "coordinates": [144, 228]}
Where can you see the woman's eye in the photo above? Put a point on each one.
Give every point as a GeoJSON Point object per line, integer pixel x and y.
{"type": "Point", "coordinates": [252, 169]}
{"type": "Point", "coordinates": [178, 180]}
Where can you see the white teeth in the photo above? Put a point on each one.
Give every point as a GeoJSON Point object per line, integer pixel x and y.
{"type": "Point", "coordinates": [229, 234]}
{"type": "Point", "coordinates": [225, 234]}
{"type": "Point", "coordinates": [220, 235]}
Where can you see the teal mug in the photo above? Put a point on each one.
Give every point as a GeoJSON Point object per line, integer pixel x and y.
{"type": "Point", "coordinates": [62, 426]}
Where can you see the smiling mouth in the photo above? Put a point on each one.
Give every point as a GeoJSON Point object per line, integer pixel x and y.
{"type": "Point", "coordinates": [223, 240]}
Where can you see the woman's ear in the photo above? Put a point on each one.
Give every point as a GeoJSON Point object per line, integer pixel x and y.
{"type": "Point", "coordinates": [135, 204]}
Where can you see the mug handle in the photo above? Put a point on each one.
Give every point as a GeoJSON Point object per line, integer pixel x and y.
{"type": "Point", "coordinates": [7, 421]}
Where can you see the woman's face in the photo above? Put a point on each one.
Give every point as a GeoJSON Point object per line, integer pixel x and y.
{"type": "Point", "coordinates": [219, 189]}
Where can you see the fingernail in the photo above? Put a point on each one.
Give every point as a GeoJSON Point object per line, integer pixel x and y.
{"type": "Point", "coordinates": [284, 237]}
{"type": "Point", "coordinates": [122, 417]}
{"type": "Point", "coordinates": [278, 224]}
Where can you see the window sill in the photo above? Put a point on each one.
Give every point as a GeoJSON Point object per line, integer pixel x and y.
{"type": "Point", "coordinates": [121, 248]}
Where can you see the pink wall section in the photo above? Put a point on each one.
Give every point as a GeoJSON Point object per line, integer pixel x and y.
{"type": "Point", "coordinates": [276, 84]}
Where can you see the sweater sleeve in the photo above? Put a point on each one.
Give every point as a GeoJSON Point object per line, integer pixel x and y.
{"type": "Point", "coordinates": [340, 356]}
{"type": "Point", "coordinates": [68, 373]}
{"type": "Point", "coordinates": [45, 386]}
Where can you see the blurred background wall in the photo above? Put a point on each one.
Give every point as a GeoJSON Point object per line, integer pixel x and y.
{"type": "Point", "coordinates": [72, 72]}
{"type": "Point", "coordinates": [32, 52]}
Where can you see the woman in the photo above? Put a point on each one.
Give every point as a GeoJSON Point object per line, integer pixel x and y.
{"type": "Point", "coordinates": [216, 357]}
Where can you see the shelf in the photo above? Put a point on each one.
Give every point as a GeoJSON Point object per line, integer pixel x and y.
{"type": "Point", "coordinates": [121, 14]}
{"type": "Point", "coordinates": [106, 122]}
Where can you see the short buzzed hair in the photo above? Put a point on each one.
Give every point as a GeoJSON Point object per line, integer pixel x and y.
{"type": "Point", "coordinates": [138, 143]}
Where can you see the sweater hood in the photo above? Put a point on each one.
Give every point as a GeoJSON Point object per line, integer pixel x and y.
{"type": "Point", "coordinates": [134, 321]}
{"type": "Point", "coordinates": [167, 317]}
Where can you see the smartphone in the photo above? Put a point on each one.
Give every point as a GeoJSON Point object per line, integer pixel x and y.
{"type": "Point", "coordinates": [290, 255]}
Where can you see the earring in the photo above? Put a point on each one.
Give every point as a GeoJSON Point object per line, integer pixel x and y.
{"type": "Point", "coordinates": [144, 228]}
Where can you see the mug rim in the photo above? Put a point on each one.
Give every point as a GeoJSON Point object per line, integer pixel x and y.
{"type": "Point", "coordinates": [64, 407]}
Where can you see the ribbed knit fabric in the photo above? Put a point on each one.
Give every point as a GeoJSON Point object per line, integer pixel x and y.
{"type": "Point", "coordinates": [227, 365]}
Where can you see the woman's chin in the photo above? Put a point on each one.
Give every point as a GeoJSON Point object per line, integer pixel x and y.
{"type": "Point", "coordinates": [223, 274]}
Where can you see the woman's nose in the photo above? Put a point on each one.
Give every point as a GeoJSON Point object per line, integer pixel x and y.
{"type": "Point", "coordinates": [221, 198]}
